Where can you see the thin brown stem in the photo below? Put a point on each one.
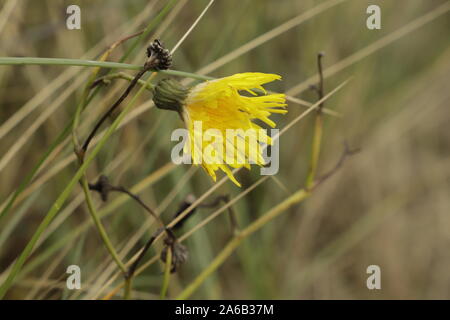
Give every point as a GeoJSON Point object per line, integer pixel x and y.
{"type": "Point", "coordinates": [318, 127]}
{"type": "Point", "coordinates": [133, 267]}
{"type": "Point", "coordinates": [345, 153]}
{"type": "Point", "coordinates": [321, 82]}
{"type": "Point", "coordinates": [169, 231]}
{"type": "Point", "coordinates": [104, 187]}
{"type": "Point", "coordinates": [112, 108]}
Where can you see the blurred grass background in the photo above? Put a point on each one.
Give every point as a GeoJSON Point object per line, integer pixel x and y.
{"type": "Point", "coordinates": [389, 205]}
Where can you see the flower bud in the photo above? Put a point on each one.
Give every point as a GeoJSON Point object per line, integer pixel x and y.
{"type": "Point", "coordinates": [170, 95]}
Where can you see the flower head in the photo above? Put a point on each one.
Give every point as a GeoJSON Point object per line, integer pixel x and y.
{"type": "Point", "coordinates": [159, 58]}
{"type": "Point", "coordinates": [221, 120]}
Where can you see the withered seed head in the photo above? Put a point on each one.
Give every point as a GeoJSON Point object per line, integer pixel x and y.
{"type": "Point", "coordinates": [159, 58]}
{"type": "Point", "coordinates": [179, 253]}
{"type": "Point", "coordinates": [102, 186]}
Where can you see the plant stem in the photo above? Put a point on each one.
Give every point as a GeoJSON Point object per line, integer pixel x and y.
{"type": "Point", "coordinates": [318, 125]}
{"type": "Point", "coordinates": [127, 288]}
{"type": "Point", "coordinates": [167, 269]}
{"type": "Point", "coordinates": [112, 108]}
{"type": "Point", "coordinates": [122, 75]}
{"type": "Point", "coordinates": [91, 63]}
{"type": "Point", "coordinates": [315, 150]}
{"type": "Point", "coordinates": [99, 226]}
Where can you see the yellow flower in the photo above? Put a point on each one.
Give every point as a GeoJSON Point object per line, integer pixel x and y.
{"type": "Point", "coordinates": [220, 121]}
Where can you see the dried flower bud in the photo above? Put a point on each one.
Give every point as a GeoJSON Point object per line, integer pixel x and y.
{"type": "Point", "coordinates": [102, 186]}
{"type": "Point", "coordinates": [179, 253]}
{"type": "Point", "coordinates": [159, 58]}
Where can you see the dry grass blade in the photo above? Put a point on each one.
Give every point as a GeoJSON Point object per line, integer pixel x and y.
{"type": "Point", "coordinates": [6, 12]}
{"type": "Point", "coordinates": [178, 44]}
{"type": "Point", "coordinates": [269, 35]}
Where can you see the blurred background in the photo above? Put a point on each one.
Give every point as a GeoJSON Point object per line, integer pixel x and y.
{"type": "Point", "coordinates": [387, 206]}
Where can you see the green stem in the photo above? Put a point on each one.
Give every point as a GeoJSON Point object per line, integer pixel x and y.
{"type": "Point", "coordinates": [318, 125]}
{"type": "Point", "coordinates": [125, 76]}
{"type": "Point", "coordinates": [167, 269]}
{"type": "Point", "coordinates": [99, 226]}
{"type": "Point", "coordinates": [315, 150]}
{"type": "Point", "coordinates": [127, 288]}
{"type": "Point", "coordinates": [81, 105]}
{"type": "Point", "coordinates": [84, 183]}
{"type": "Point", "coordinates": [91, 63]}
